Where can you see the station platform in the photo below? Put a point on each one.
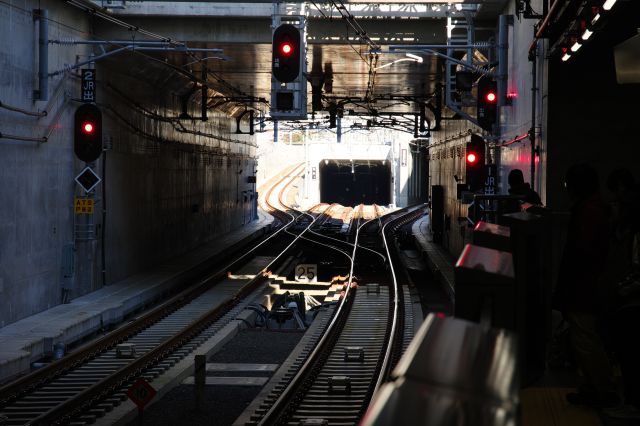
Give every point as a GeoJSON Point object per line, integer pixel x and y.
{"type": "Point", "coordinates": [31, 338]}
{"type": "Point", "coordinates": [543, 402]}
{"type": "Point", "coordinates": [440, 262]}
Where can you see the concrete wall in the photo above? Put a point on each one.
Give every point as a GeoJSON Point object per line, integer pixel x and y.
{"type": "Point", "coordinates": [378, 144]}
{"type": "Point", "coordinates": [448, 146]}
{"type": "Point", "coordinates": [36, 194]}
{"type": "Point", "coordinates": [582, 115]}
{"type": "Point", "coordinates": [516, 119]}
{"type": "Point", "coordinates": [167, 190]}
{"type": "Point", "coordinates": [447, 160]}
{"type": "Point", "coordinates": [327, 151]}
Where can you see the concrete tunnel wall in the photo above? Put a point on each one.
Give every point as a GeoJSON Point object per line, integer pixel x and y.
{"type": "Point", "coordinates": [368, 182]}
{"type": "Point", "coordinates": [166, 191]}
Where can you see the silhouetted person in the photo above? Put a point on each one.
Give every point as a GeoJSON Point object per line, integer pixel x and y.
{"type": "Point", "coordinates": [518, 187]}
{"type": "Point", "coordinates": [624, 274]}
{"type": "Point", "coordinates": [580, 292]}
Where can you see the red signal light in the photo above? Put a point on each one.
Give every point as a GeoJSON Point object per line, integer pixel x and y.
{"type": "Point", "coordinates": [491, 97]}
{"type": "Point", "coordinates": [471, 158]}
{"type": "Point", "coordinates": [286, 49]}
{"type": "Point", "coordinates": [87, 127]}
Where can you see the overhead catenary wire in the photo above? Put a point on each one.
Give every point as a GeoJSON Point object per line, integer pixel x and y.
{"type": "Point", "coordinates": [94, 10]}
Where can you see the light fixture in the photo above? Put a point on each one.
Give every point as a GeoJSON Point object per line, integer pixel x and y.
{"type": "Point", "coordinates": [576, 46]}
{"type": "Point", "coordinates": [595, 19]}
{"type": "Point", "coordinates": [608, 4]}
{"type": "Point", "coordinates": [586, 34]}
{"type": "Point", "coordinates": [417, 58]}
{"type": "Point", "coordinates": [326, 162]}
{"type": "Point", "coordinates": [566, 57]}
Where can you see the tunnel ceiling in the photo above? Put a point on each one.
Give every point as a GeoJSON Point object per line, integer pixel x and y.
{"type": "Point", "coordinates": [247, 72]}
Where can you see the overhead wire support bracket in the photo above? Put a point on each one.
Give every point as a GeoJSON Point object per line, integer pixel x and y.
{"type": "Point", "coordinates": [430, 50]}
{"type": "Point", "coordinates": [131, 47]}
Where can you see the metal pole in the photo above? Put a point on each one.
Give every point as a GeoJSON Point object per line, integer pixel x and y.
{"type": "Point", "coordinates": [307, 172]}
{"type": "Point", "coordinates": [104, 217]}
{"type": "Point", "coordinates": [532, 132]}
{"type": "Point", "coordinates": [275, 131]}
{"type": "Point", "coordinates": [205, 93]}
{"type": "Point", "coordinates": [43, 55]}
{"type": "Point", "coordinates": [503, 45]}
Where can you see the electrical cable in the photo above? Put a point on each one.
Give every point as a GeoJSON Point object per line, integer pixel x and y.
{"type": "Point", "coordinates": [23, 111]}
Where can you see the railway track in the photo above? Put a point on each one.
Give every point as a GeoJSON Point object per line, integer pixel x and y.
{"type": "Point", "coordinates": [364, 339]}
{"type": "Point", "coordinates": [92, 380]}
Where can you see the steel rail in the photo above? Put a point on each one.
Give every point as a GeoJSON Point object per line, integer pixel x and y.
{"type": "Point", "coordinates": [28, 383]}
{"type": "Point", "coordinates": [276, 412]}
{"type": "Point", "coordinates": [339, 315]}
{"type": "Point", "coordinates": [85, 399]}
{"type": "Point", "coordinates": [393, 334]}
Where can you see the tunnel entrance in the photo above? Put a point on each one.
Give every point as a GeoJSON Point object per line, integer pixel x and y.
{"type": "Point", "coordinates": [351, 183]}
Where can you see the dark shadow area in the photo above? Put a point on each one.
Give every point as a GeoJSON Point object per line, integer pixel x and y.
{"type": "Point", "coordinates": [351, 183]}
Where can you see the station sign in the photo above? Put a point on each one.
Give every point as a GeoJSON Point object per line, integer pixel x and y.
{"type": "Point", "coordinates": [83, 205]}
{"type": "Point", "coordinates": [88, 179]}
{"type": "Point", "coordinates": [141, 393]}
{"type": "Point", "coordinates": [307, 273]}
{"type": "Point", "coordinates": [490, 179]}
{"type": "Point", "coordinates": [88, 85]}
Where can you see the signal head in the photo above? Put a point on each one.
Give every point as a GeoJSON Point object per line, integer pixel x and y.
{"type": "Point", "coordinates": [87, 141]}
{"type": "Point", "coordinates": [286, 61]}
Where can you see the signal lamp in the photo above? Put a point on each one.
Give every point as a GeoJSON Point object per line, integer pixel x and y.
{"type": "Point", "coordinates": [87, 141]}
{"type": "Point", "coordinates": [475, 163]}
{"type": "Point", "coordinates": [487, 105]}
{"type": "Point", "coordinates": [286, 60]}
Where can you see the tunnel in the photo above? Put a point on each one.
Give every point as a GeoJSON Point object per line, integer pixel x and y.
{"type": "Point", "coordinates": [352, 182]}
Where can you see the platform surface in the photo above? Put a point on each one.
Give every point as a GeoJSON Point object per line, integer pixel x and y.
{"type": "Point", "coordinates": [548, 407]}
{"type": "Point", "coordinates": [27, 340]}
{"type": "Point", "coordinates": [438, 259]}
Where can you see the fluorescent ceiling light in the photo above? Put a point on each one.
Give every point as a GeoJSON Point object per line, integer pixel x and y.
{"type": "Point", "coordinates": [608, 4]}
{"type": "Point", "coordinates": [586, 34]}
{"type": "Point", "coordinates": [575, 47]}
{"type": "Point", "coordinates": [566, 57]}
{"type": "Point", "coordinates": [595, 19]}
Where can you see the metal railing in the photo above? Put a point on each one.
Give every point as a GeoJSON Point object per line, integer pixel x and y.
{"type": "Point", "coordinates": [489, 207]}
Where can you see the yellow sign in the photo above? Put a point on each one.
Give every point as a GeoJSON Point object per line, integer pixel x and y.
{"type": "Point", "coordinates": [83, 205]}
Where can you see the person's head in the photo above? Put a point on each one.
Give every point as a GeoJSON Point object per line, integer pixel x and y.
{"type": "Point", "coordinates": [620, 182]}
{"type": "Point", "coordinates": [581, 181]}
{"type": "Point", "coordinates": [515, 179]}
